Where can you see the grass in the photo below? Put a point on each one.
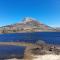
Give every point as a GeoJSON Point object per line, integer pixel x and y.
{"type": "Point", "coordinates": [16, 43]}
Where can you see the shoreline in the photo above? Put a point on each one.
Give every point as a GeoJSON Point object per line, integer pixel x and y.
{"type": "Point", "coordinates": [46, 57]}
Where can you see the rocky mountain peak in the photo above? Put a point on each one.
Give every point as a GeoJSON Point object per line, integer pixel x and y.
{"type": "Point", "coordinates": [28, 19]}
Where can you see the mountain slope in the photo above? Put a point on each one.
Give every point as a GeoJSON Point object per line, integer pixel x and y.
{"type": "Point", "coordinates": [27, 25]}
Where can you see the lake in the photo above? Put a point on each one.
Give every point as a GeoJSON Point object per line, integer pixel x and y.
{"type": "Point", "coordinates": [33, 37]}
{"type": "Point", "coordinates": [9, 51]}
{"type": "Point", "coordinates": [48, 37]}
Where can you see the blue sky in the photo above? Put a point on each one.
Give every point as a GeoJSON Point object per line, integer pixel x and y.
{"type": "Point", "coordinates": [46, 11]}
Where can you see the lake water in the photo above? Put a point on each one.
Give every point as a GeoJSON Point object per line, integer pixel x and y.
{"type": "Point", "coordinates": [11, 51]}
{"type": "Point", "coordinates": [48, 37]}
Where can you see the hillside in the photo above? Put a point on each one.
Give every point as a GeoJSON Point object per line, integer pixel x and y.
{"type": "Point", "coordinates": [27, 25]}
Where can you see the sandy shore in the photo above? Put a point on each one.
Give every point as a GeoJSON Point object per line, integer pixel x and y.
{"type": "Point", "coordinates": [14, 59]}
{"type": "Point", "coordinates": [42, 57]}
{"type": "Point", "coordinates": [47, 57]}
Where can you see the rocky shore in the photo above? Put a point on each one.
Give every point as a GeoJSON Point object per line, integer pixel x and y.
{"type": "Point", "coordinates": [42, 51]}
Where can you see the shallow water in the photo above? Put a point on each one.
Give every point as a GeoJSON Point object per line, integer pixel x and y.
{"type": "Point", "coordinates": [7, 51]}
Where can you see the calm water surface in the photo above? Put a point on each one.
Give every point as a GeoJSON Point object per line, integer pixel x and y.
{"type": "Point", "coordinates": [11, 51]}
{"type": "Point", "coordinates": [48, 37]}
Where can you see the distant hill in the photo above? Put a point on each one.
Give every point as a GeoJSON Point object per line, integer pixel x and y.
{"type": "Point", "coordinates": [27, 25]}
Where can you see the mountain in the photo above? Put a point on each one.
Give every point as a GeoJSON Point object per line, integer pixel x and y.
{"type": "Point", "coordinates": [27, 25]}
